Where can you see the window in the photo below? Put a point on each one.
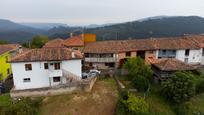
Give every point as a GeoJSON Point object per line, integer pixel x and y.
{"type": "Point", "coordinates": [164, 52]}
{"type": "Point", "coordinates": [187, 52]}
{"type": "Point", "coordinates": [6, 58]}
{"type": "Point", "coordinates": [128, 54]}
{"type": "Point", "coordinates": [186, 60]}
{"type": "Point", "coordinates": [203, 52]}
{"type": "Point", "coordinates": [28, 67]}
{"type": "Point", "coordinates": [46, 66]}
{"type": "Point", "coordinates": [8, 71]}
{"type": "Point", "coordinates": [57, 66]}
{"type": "Point", "coordinates": [26, 80]}
{"type": "Point", "coordinates": [56, 79]}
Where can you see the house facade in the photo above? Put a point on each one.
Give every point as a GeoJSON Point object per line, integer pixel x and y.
{"type": "Point", "coordinates": [106, 54]}
{"type": "Point", "coordinates": [6, 52]}
{"type": "Point", "coordinates": [46, 67]}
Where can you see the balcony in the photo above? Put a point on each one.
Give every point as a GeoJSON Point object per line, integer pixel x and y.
{"type": "Point", "coordinates": [54, 73]}
{"type": "Point", "coordinates": [111, 59]}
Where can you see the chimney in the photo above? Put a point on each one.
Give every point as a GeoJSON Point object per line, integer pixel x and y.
{"type": "Point", "coordinates": [20, 50]}
{"type": "Point", "coordinates": [71, 35]}
{"type": "Point", "coordinates": [73, 54]}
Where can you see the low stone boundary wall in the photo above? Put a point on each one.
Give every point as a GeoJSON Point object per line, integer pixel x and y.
{"type": "Point", "coordinates": [83, 86]}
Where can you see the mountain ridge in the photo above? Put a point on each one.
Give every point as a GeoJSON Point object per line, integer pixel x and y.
{"type": "Point", "coordinates": [159, 26]}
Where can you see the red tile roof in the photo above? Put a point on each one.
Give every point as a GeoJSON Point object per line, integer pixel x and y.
{"type": "Point", "coordinates": [8, 47]}
{"type": "Point", "coordinates": [46, 54]}
{"type": "Point", "coordinates": [56, 43]}
{"type": "Point", "coordinates": [139, 44]}
{"type": "Point", "coordinates": [172, 65]}
{"type": "Point", "coordinates": [75, 41]}
{"type": "Point", "coordinates": [197, 39]}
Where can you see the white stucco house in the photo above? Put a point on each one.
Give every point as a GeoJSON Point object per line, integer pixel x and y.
{"type": "Point", "coordinates": [46, 67]}
{"type": "Point", "coordinates": [184, 49]}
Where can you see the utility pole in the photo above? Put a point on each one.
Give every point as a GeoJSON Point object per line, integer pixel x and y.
{"type": "Point", "coordinates": [116, 35]}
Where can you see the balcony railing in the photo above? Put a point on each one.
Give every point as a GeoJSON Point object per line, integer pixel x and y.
{"type": "Point", "coordinates": [54, 73]}
{"type": "Point", "coordinates": [111, 59]}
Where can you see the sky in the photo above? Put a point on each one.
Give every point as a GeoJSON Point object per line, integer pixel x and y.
{"type": "Point", "coordinates": [85, 12]}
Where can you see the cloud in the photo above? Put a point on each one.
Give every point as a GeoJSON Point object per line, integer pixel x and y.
{"type": "Point", "coordinates": [95, 11]}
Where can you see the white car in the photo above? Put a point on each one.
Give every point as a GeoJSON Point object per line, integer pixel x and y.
{"type": "Point", "coordinates": [94, 72]}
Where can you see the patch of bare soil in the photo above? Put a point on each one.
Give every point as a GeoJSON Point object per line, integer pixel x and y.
{"type": "Point", "coordinates": [101, 101]}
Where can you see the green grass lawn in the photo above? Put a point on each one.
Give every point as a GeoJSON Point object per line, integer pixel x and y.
{"type": "Point", "coordinates": [197, 104]}
{"type": "Point", "coordinates": [5, 100]}
{"type": "Point", "coordinates": [157, 104]}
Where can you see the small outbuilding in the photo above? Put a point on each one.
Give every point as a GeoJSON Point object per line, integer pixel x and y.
{"type": "Point", "coordinates": [163, 68]}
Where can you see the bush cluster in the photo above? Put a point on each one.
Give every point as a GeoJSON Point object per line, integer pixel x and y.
{"type": "Point", "coordinates": [179, 88]}
{"type": "Point", "coordinates": [129, 104]}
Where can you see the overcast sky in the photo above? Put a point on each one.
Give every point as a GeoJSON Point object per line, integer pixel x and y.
{"type": "Point", "coordinates": [84, 12]}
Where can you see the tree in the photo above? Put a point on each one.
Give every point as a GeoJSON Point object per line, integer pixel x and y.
{"type": "Point", "coordinates": [3, 42]}
{"type": "Point", "coordinates": [131, 105]}
{"type": "Point", "coordinates": [138, 72]}
{"type": "Point", "coordinates": [38, 41]}
{"type": "Point", "coordinates": [179, 88]}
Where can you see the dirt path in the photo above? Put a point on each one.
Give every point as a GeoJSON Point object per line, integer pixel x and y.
{"type": "Point", "coordinates": [101, 101]}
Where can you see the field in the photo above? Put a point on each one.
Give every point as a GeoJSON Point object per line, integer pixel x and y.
{"type": "Point", "coordinates": [101, 101]}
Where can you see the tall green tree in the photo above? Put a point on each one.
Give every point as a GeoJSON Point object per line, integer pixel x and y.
{"type": "Point", "coordinates": [139, 73]}
{"type": "Point", "coordinates": [179, 88]}
{"type": "Point", "coordinates": [38, 41]}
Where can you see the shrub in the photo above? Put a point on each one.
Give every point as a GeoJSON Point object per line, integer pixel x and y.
{"type": "Point", "coordinates": [179, 88]}
{"type": "Point", "coordinates": [139, 72]}
{"type": "Point", "coordinates": [200, 86]}
{"type": "Point", "coordinates": [141, 83]}
{"type": "Point", "coordinates": [132, 105]}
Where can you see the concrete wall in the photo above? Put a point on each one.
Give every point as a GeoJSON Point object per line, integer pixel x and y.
{"type": "Point", "coordinates": [193, 58]}
{"type": "Point", "coordinates": [150, 55]}
{"type": "Point", "coordinates": [123, 55]}
{"type": "Point", "coordinates": [81, 87]}
{"type": "Point", "coordinates": [73, 66]}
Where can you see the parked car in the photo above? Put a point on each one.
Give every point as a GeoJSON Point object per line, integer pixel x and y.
{"type": "Point", "coordinates": [85, 75]}
{"type": "Point", "coordinates": [91, 73]}
{"type": "Point", "coordinates": [94, 72]}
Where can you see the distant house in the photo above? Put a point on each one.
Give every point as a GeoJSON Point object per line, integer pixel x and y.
{"type": "Point", "coordinates": [46, 67]}
{"type": "Point", "coordinates": [6, 51]}
{"type": "Point", "coordinates": [75, 43]}
{"type": "Point", "coordinates": [164, 68]}
{"type": "Point", "coordinates": [108, 54]}
{"type": "Point", "coordinates": [56, 43]}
